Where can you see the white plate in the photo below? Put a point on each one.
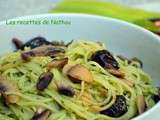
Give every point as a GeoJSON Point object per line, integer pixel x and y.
{"type": "Point", "coordinates": [120, 37]}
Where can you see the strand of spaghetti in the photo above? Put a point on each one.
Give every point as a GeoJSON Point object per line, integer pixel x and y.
{"type": "Point", "coordinates": [57, 115]}
{"type": "Point", "coordinates": [24, 96]}
{"type": "Point", "coordinates": [62, 117]}
{"type": "Point", "coordinates": [37, 104]}
{"type": "Point", "coordinates": [15, 110]}
{"type": "Point", "coordinates": [70, 106]}
{"type": "Point", "coordinates": [4, 117]}
{"type": "Point", "coordinates": [110, 103]}
{"type": "Point", "coordinates": [90, 100]}
{"type": "Point", "coordinates": [96, 67]}
{"type": "Point", "coordinates": [106, 101]}
{"type": "Point", "coordinates": [82, 89]}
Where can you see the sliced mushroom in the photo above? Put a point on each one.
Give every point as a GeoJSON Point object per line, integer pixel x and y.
{"type": "Point", "coordinates": [44, 80]}
{"type": "Point", "coordinates": [66, 68]}
{"type": "Point", "coordinates": [8, 86]}
{"type": "Point", "coordinates": [45, 50]}
{"type": "Point", "coordinates": [18, 43]}
{"type": "Point", "coordinates": [79, 73]}
{"type": "Point", "coordinates": [59, 63]}
{"type": "Point", "coordinates": [140, 104]}
{"type": "Point", "coordinates": [116, 73]}
{"type": "Point", "coordinates": [44, 115]}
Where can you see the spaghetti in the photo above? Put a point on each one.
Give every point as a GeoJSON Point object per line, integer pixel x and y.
{"type": "Point", "coordinates": [95, 100]}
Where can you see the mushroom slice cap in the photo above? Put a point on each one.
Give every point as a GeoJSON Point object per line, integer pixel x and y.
{"type": "Point", "coordinates": [45, 50]}
{"type": "Point", "coordinates": [66, 68]}
{"type": "Point", "coordinates": [79, 73]}
{"type": "Point", "coordinates": [8, 86]}
{"type": "Point", "coordinates": [57, 63]}
{"type": "Point", "coordinates": [116, 73]}
{"type": "Point", "coordinates": [140, 104]}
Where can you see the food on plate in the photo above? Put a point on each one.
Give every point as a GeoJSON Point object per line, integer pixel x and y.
{"type": "Point", "coordinates": [81, 80]}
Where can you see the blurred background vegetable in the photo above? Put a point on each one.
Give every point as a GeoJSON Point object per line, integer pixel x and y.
{"type": "Point", "coordinates": [146, 19]}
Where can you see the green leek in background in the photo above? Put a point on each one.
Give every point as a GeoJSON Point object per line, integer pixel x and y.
{"type": "Point", "coordinates": [136, 16]}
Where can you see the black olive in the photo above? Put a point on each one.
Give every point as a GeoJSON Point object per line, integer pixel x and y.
{"type": "Point", "coordinates": [44, 80]}
{"type": "Point", "coordinates": [156, 98]}
{"type": "Point", "coordinates": [36, 42]}
{"type": "Point", "coordinates": [41, 116]}
{"type": "Point", "coordinates": [66, 90]}
{"type": "Point", "coordinates": [118, 109]}
{"type": "Point", "coordinates": [105, 59]}
{"type": "Point", "coordinates": [2, 88]}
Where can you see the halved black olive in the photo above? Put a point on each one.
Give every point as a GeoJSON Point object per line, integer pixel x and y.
{"type": "Point", "coordinates": [156, 98]}
{"type": "Point", "coordinates": [44, 80]}
{"type": "Point", "coordinates": [118, 109]}
{"type": "Point", "coordinates": [41, 116]}
{"type": "Point", "coordinates": [66, 90]}
{"type": "Point", "coordinates": [105, 59]}
{"type": "Point", "coordinates": [36, 42]}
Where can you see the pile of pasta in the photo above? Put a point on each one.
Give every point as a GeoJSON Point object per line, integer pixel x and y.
{"type": "Point", "coordinates": [76, 87]}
